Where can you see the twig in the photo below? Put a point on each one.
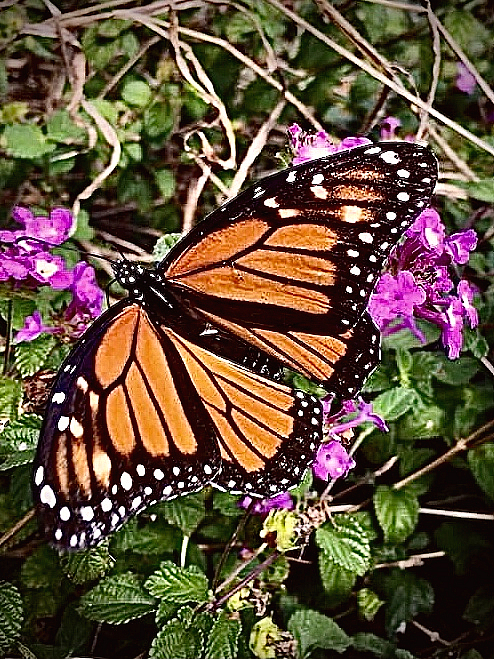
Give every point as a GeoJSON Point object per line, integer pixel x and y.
{"type": "Point", "coordinates": [17, 526]}
{"type": "Point", "coordinates": [412, 561]}
{"type": "Point", "coordinates": [462, 514]}
{"type": "Point", "coordinates": [193, 193]}
{"type": "Point", "coordinates": [436, 69]}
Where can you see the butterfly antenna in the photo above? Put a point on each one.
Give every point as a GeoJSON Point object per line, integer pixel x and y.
{"type": "Point", "coordinates": [64, 247]}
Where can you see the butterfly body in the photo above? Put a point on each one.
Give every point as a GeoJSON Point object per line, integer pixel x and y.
{"type": "Point", "coordinates": [180, 384]}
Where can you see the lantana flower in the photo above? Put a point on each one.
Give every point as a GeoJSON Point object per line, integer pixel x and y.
{"type": "Point", "coordinates": [26, 260]}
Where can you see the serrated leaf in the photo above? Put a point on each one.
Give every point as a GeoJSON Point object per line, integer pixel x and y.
{"type": "Point", "coordinates": [158, 119]}
{"type": "Point", "coordinates": [185, 512]}
{"type": "Point", "coordinates": [177, 584]}
{"type": "Point", "coordinates": [178, 639]}
{"type": "Point", "coordinates": [407, 596]}
{"type": "Point", "coordinates": [368, 603]}
{"type": "Point", "coordinates": [394, 403]}
{"type": "Point", "coordinates": [41, 569]}
{"type": "Point", "coordinates": [86, 565]}
{"type": "Point", "coordinates": [153, 538]}
{"type": "Point", "coordinates": [164, 244]}
{"type": "Point", "coordinates": [18, 441]}
{"type": "Point", "coordinates": [481, 462]}
{"type": "Point", "coordinates": [397, 512]}
{"type": "Point", "coordinates": [222, 641]}
{"type": "Point", "coordinates": [480, 608]}
{"type": "Point", "coordinates": [346, 543]}
{"type": "Point", "coordinates": [379, 647]}
{"type": "Point", "coordinates": [30, 356]}
{"type": "Point", "coordinates": [116, 600]}
{"type": "Point", "coordinates": [11, 615]}
{"type": "Point", "coordinates": [336, 580]}
{"type": "Point", "coordinates": [60, 127]}
{"type": "Point", "coordinates": [10, 398]}
{"type": "Point", "coordinates": [315, 630]}
{"type": "Point", "coordinates": [26, 141]}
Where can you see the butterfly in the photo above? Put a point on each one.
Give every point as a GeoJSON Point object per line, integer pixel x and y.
{"type": "Point", "coordinates": [180, 385]}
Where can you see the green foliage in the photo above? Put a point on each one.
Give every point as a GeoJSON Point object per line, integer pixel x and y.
{"type": "Point", "coordinates": [116, 600]}
{"type": "Point", "coordinates": [172, 97]}
{"type": "Point", "coordinates": [11, 615]}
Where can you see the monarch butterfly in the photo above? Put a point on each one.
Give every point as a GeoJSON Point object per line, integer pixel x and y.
{"type": "Point", "coordinates": [179, 386]}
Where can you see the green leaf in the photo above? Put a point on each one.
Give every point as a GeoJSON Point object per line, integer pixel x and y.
{"type": "Point", "coordinates": [480, 608]}
{"type": "Point", "coordinates": [164, 244]}
{"type": "Point", "coordinates": [481, 462]}
{"type": "Point", "coordinates": [158, 120]}
{"type": "Point", "coordinates": [394, 403]}
{"type": "Point", "coordinates": [406, 339]}
{"type": "Point", "coordinates": [116, 600]}
{"type": "Point", "coordinates": [368, 603]}
{"type": "Point", "coordinates": [10, 398]}
{"type": "Point", "coordinates": [18, 441]}
{"type": "Point", "coordinates": [30, 356]}
{"type": "Point", "coordinates": [346, 543]}
{"type": "Point", "coordinates": [457, 372]}
{"type": "Point", "coordinates": [177, 584]}
{"type": "Point", "coordinates": [397, 512]}
{"type": "Point", "coordinates": [136, 92]}
{"type": "Point", "coordinates": [86, 565]}
{"type": "Point", "coordinates": [26, 141]}
{"type": "Point", "coordinates": [463, 545]}
{"type": "Point", "coordinates": [165, 180]}
{"type": "Point", "coordinates": [406, 596]}
{"type": "Point", "coordinates": [178, 639]}
{"type": "Point", "coordinates": [11, 615]}
{"type": "Point", "coordinates": [154, 538]}
{"type": "Point", "coordinates": [42, 569]}
{"type": "Point", "coordinates": [185, 512]}
{"type": "Point", "coordinates": [314, 630]}
{"type": "Point", "coordinates": [336, 580]}
{"type": "Point", "coordinates": [222, 642]}
{"type": "Point", "coordinates": [60, 127]}
{"type": "Point", "coordinates": [371, 643]}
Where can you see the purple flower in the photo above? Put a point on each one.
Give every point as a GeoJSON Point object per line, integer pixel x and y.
{"type": "Point", "coordinates": [33, 327]}
{"type": "Point", "coordinates": [418, 284]}
{"type": "Point", "coordinates": [388, 128]}
{"type": "Point", "coordinates": [308, 146]}
{"type": "Point", "coordinates": [263, 506]}
{"type": "Point", "coordinates": [459, 245]}
{"type": "Point", "coordinates": [87, 296]}
{"type": "Point", "coordinates": [332, 461]}
{"type": "Point", "coordinates": [50, 269]}
{"type": "Point", "coordinates": [465, 80]}
{"type": "Point", "coordinates": [54, 229]}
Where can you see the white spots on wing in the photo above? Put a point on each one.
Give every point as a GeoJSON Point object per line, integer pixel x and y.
{"type": "Point", "coordinates": [136, 502]}
{"type": "Point", "coordinates": [148, 491]}
{"type": "Point", "coordinates": [391, 215]}
{"type": "Point", "coordinates": [403, 196]}
{"type": "Point", "coordinates": [426, 180]}
{"type": "Point", "coordinates": [63, 423]}
{"type": "Point", "coordinates": [176, 471]}
{"type": "Point", "coordinates": [351, 214]}
{"type": "Point", "coordinates": [373, 258]}
{"type": "Point", "coordinates": [47, 496]}
{"type": "Point", "coordinates": [126, 480]}
{"type": "Point", "coordinates": [355, 271]}
{"type": "Point", "coordinates": [158, 474]}
{"type": "Point", "coordinates": [39, 475]}
{"type": "Point", "coordinates": [353, 253]}
{"type": "Point", "coordinates": [317, 179]}
{"type": "Point", "coordinates": [59, 397]}
{"type": "Point", "coordinates": [390, 157]}
{"type": "Point", "coordinates": [258, 192]}
{"type": "Point", "coordinates": [366, 237]}
{"type": "Point", "coordinates": [140, 470]}
{"type": "Point", "coordinates": [73, 541]}
{"type": "Point", "coordinates": [370, 277]}
{"type": "Point", "coordinates": [207, 470]}
{"type": "Point", "coordinates": [372, 150]}
{"type": "Point", "coordinates": [167, 491]}
{"type": "Point", "coordinates": [271, 202]}
{"type": "Point", "coordinates": [87, 513]}
{"type": "Point", "coordinates": [288, 212]}
{"type": "Point", "coordinates": [58, 534]}
{"type": "Point", "coordinates": [403, 173]}
{"type": "Point", "coordinates": [292, 176]}
{"type": "Point", "coordinates": [64, 514]}
{"type": "Point", "coordinates": [384, 245]}
{"type": "Point", "coordinates": [349, 289]}
{"type": "Point", "coordinates": [106, 505]}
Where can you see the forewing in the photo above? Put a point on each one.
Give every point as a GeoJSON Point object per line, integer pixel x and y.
{"type": "Point", "coordinates": [302, 250]}
{"type": "Point", "coordinates": [124, 428]}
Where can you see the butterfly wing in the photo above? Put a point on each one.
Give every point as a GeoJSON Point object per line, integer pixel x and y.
{"type": "Point", "coordinates": [140, 413]}
{"type": "Point", "coordinates": [289, 265]}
